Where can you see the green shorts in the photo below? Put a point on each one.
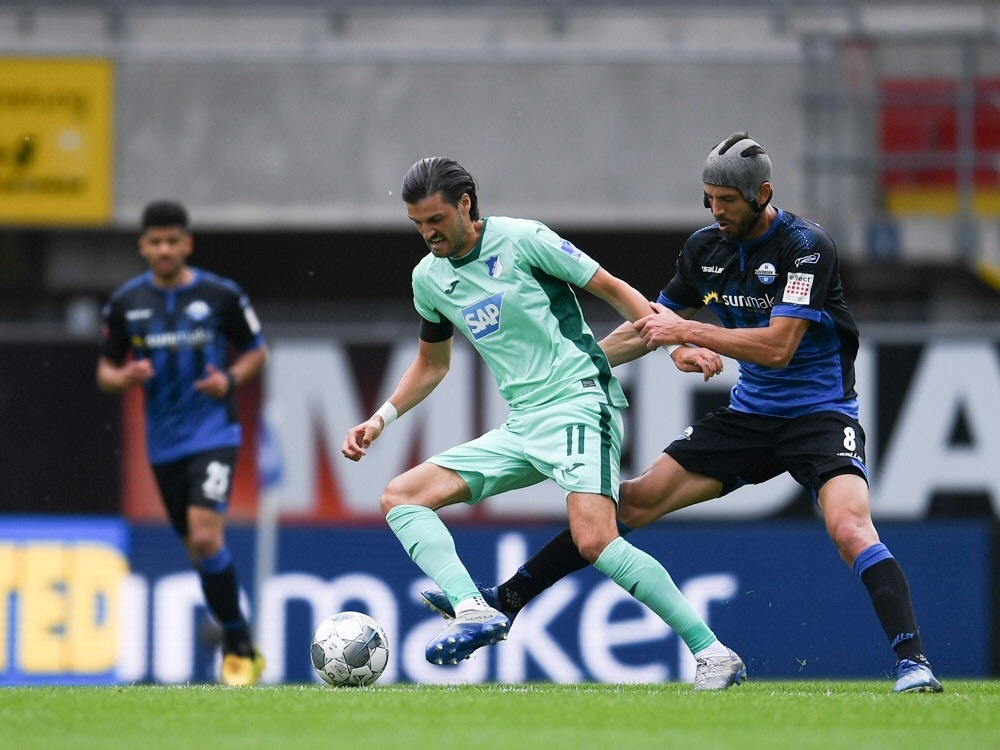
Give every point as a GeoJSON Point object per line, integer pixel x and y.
{"type": "Point", "coordinates": [577, 444]}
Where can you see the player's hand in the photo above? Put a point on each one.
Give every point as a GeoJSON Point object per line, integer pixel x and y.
{"type": "Point", "coordinates": [660, 328]}
{"type": "Point", "coordinates": [137, 371]}
{"type": "Point", "coordinates": [360, 438]}
{"type": "Point", "coordinates": [697, 359]}
{"type": "Point", "coordinates": [214, 384]}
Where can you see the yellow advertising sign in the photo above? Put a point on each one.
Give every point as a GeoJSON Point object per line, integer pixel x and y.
{"type": "Point", "coordinates": [68, 601]}
{"type": "Point", "coordinates": [56, 161]}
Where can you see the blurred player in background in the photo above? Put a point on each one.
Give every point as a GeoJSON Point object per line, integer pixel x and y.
{"type": "Point", "coordinates": [508, 284]}
{"type": "Point", "coordinates": [169, 330]}
{"type": "Point", "coordinates": [773, 280]}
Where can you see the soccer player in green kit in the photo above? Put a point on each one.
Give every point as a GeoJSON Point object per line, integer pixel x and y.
{"type": "Point", "coordinates": [507, 285]}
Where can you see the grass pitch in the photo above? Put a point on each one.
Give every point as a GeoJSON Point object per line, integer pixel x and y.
{"type": "Point", "coordinates": [765, 715]}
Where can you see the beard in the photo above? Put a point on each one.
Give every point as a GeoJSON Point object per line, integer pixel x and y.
{"type": "Point", "coordinates": [741, 229]}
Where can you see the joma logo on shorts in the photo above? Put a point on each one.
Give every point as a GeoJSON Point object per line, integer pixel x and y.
{"type": "Point", "coordinates": [483, 318]}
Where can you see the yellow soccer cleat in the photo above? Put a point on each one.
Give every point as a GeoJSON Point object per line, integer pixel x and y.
{"type": "Point", "coordinates": [242, 670]}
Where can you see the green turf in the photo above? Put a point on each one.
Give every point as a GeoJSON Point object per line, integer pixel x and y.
{"type": "Point", "coordinates": [771, 715]}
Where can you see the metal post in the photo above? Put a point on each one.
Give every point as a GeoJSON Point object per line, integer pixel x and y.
{"type": "Point", "coordinates": [965, 152]}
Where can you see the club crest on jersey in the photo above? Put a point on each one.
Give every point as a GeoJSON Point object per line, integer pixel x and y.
{"type": "Point", "coordinates": [494, 267]}
{"type": "Point", "coordinates": [570, 250]}
{"type": "Point", "coordinates": [483, 317]}
{"type": "Point", "coordinates": [197, 310]}
{"type": "Point", "coordinates": [766, 273]}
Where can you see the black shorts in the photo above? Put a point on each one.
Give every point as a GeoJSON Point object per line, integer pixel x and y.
{"type": "Point", "coordinates": [738, 448]}
{"type": "Point", "coordinates": [202, 479]}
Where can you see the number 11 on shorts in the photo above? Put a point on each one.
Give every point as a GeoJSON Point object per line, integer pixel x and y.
{"type": "Point", "coordinates": [580, 432]}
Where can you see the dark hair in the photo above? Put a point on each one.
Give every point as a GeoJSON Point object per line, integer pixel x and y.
{"type": "Point", "coordinates": [436, 174]}
{"type": "Point", "coordinates": [164, 214]}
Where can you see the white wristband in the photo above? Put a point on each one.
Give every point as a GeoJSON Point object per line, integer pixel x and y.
{"type": "Point", "coordinates": [388, 413]}
{"type": "Point", "coordinates": [671, 348]}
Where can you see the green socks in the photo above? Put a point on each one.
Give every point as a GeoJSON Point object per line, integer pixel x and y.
{"type": "Point", "coordinates": [642, 576]}
{"type": "Point", "coordinates": [430, 545]}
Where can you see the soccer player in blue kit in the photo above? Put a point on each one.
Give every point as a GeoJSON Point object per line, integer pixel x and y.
{"type": "Point", "coordinates": [177, 323]}
{"type": "Point", "coordinates": [772, 278]}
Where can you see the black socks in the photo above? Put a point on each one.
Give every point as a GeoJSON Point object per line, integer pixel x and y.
{"type": "Point", "coordinates": [222, 596]}
{"type": "Point", "coordinates": [890, 594]}
{"type": "Point", "coordinates": [554, 561]}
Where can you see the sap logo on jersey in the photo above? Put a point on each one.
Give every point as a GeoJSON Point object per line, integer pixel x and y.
{"type": "Point", "coordinates": [483, 318]}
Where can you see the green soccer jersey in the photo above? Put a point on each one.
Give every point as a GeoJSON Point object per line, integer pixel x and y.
{"type": "Point", "coordinates": [512, 296]}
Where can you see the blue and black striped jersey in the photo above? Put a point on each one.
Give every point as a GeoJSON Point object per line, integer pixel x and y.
{"type": "Point", "coordinates": [181, 330]}
{"type": "Point", "coordinates": [791, 271]}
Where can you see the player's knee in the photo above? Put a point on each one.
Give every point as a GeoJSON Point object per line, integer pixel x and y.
{"type": "Point", "coordinates": [591, 543]}
{"type": "Point", "coordinates": [203, 543]}
{"type": "Point", "coordinates": [394, 495]}
{"type": "Point", "coordinates": [387, 502]}
{"type": "Point", "coordinates": [590, 550]}
{"type": "Point", "coordinates": [852, 534]}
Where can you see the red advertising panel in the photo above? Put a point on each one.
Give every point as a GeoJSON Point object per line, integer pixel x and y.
{"type": "Point", "coordinates": [919, 137]}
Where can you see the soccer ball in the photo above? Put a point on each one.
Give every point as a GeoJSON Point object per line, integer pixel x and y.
{"type": "Point", "coordinates": [349, 649]}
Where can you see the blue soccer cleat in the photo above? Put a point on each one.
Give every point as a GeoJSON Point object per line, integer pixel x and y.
{"type": "Point", "coordinates": [441, 604]}
{"type": "Point", "coordinates": [915, 676]}
{"type": "Point", "coordinates": [464, 634]}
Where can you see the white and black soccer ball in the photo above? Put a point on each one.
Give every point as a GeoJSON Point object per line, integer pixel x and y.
{"type": "Point", "coordinates": [349, 649]}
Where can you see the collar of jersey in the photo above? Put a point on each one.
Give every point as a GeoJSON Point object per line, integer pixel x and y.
{"type": "Point", "coordinates": [194, 279]}
{"type": "Point", "coordinates": [473, 254]}
{"type": "Point", "coordinates": [770, 230]}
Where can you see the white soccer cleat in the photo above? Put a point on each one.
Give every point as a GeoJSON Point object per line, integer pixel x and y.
{"type": "Point", "coordinates": [719, 672]}
{"type": "Point", "coordinates": [915, 676]}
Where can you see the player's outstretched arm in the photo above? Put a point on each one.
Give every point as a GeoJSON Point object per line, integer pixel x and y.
{"type": "Point", "coordinates": [771, 346]}
{"type": "Point", "coordinates": [629, 302]}
{"type": "Point", "coordinates": [428, 368]}
{"type": "Point", "coordinates": [623, 345]}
